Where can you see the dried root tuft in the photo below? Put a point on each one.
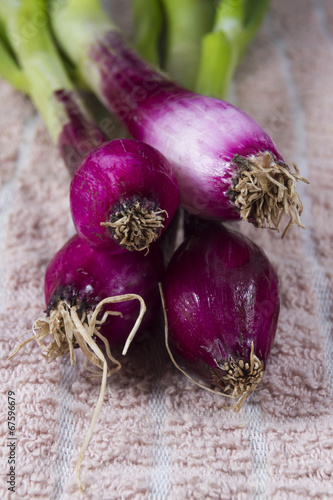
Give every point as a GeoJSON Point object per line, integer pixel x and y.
{"type": "Point", "coordinates": [136, 225]}
{"type": "Point", "coordinates": [68, 330]}
{"type": "Point", "coordinates": [241, 377]}
{"type": "Point", "coordinates": [264, 189]}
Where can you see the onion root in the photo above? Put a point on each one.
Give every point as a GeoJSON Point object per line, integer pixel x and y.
{"type": "Point", "coordinates": [264, 189]}
{"type": "Point", "coordinates": [136, 224]}
{"type": "Point", "coordinates": [69, 331]}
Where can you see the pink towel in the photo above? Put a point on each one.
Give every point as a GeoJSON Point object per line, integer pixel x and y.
{"type": "Point", "coordinates": [160, 437]}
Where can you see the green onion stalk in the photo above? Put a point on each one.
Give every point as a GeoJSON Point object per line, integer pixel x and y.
{"type": "Point", "coordinates": [9, 69]}
{"type": "Point", "coordinates": [236, 23]}
{"type": "Point", "coordinates": [148, 24]}
{"type": "Point", "coordinates": [187, 21]}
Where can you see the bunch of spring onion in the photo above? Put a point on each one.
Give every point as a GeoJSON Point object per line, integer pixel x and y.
{"type": "Point", "coordinates": [219, 330]}
{"type": "Point", "coordinates": [227, 168]}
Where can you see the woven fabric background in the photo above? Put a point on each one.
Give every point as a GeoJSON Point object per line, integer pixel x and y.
{"type": "Point", "coordinates": [159, 437]}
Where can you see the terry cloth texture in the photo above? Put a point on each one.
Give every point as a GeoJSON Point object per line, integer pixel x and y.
{"type": "Point", "coordinates": [160, 437]}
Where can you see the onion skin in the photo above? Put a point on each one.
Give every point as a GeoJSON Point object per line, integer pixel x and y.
{"type": "Point", "coordinates": [82, 276]}
{"type": "Point", "coordinates": [221, 297]}
{"type": "Point", "coordinates": [113, 173]}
